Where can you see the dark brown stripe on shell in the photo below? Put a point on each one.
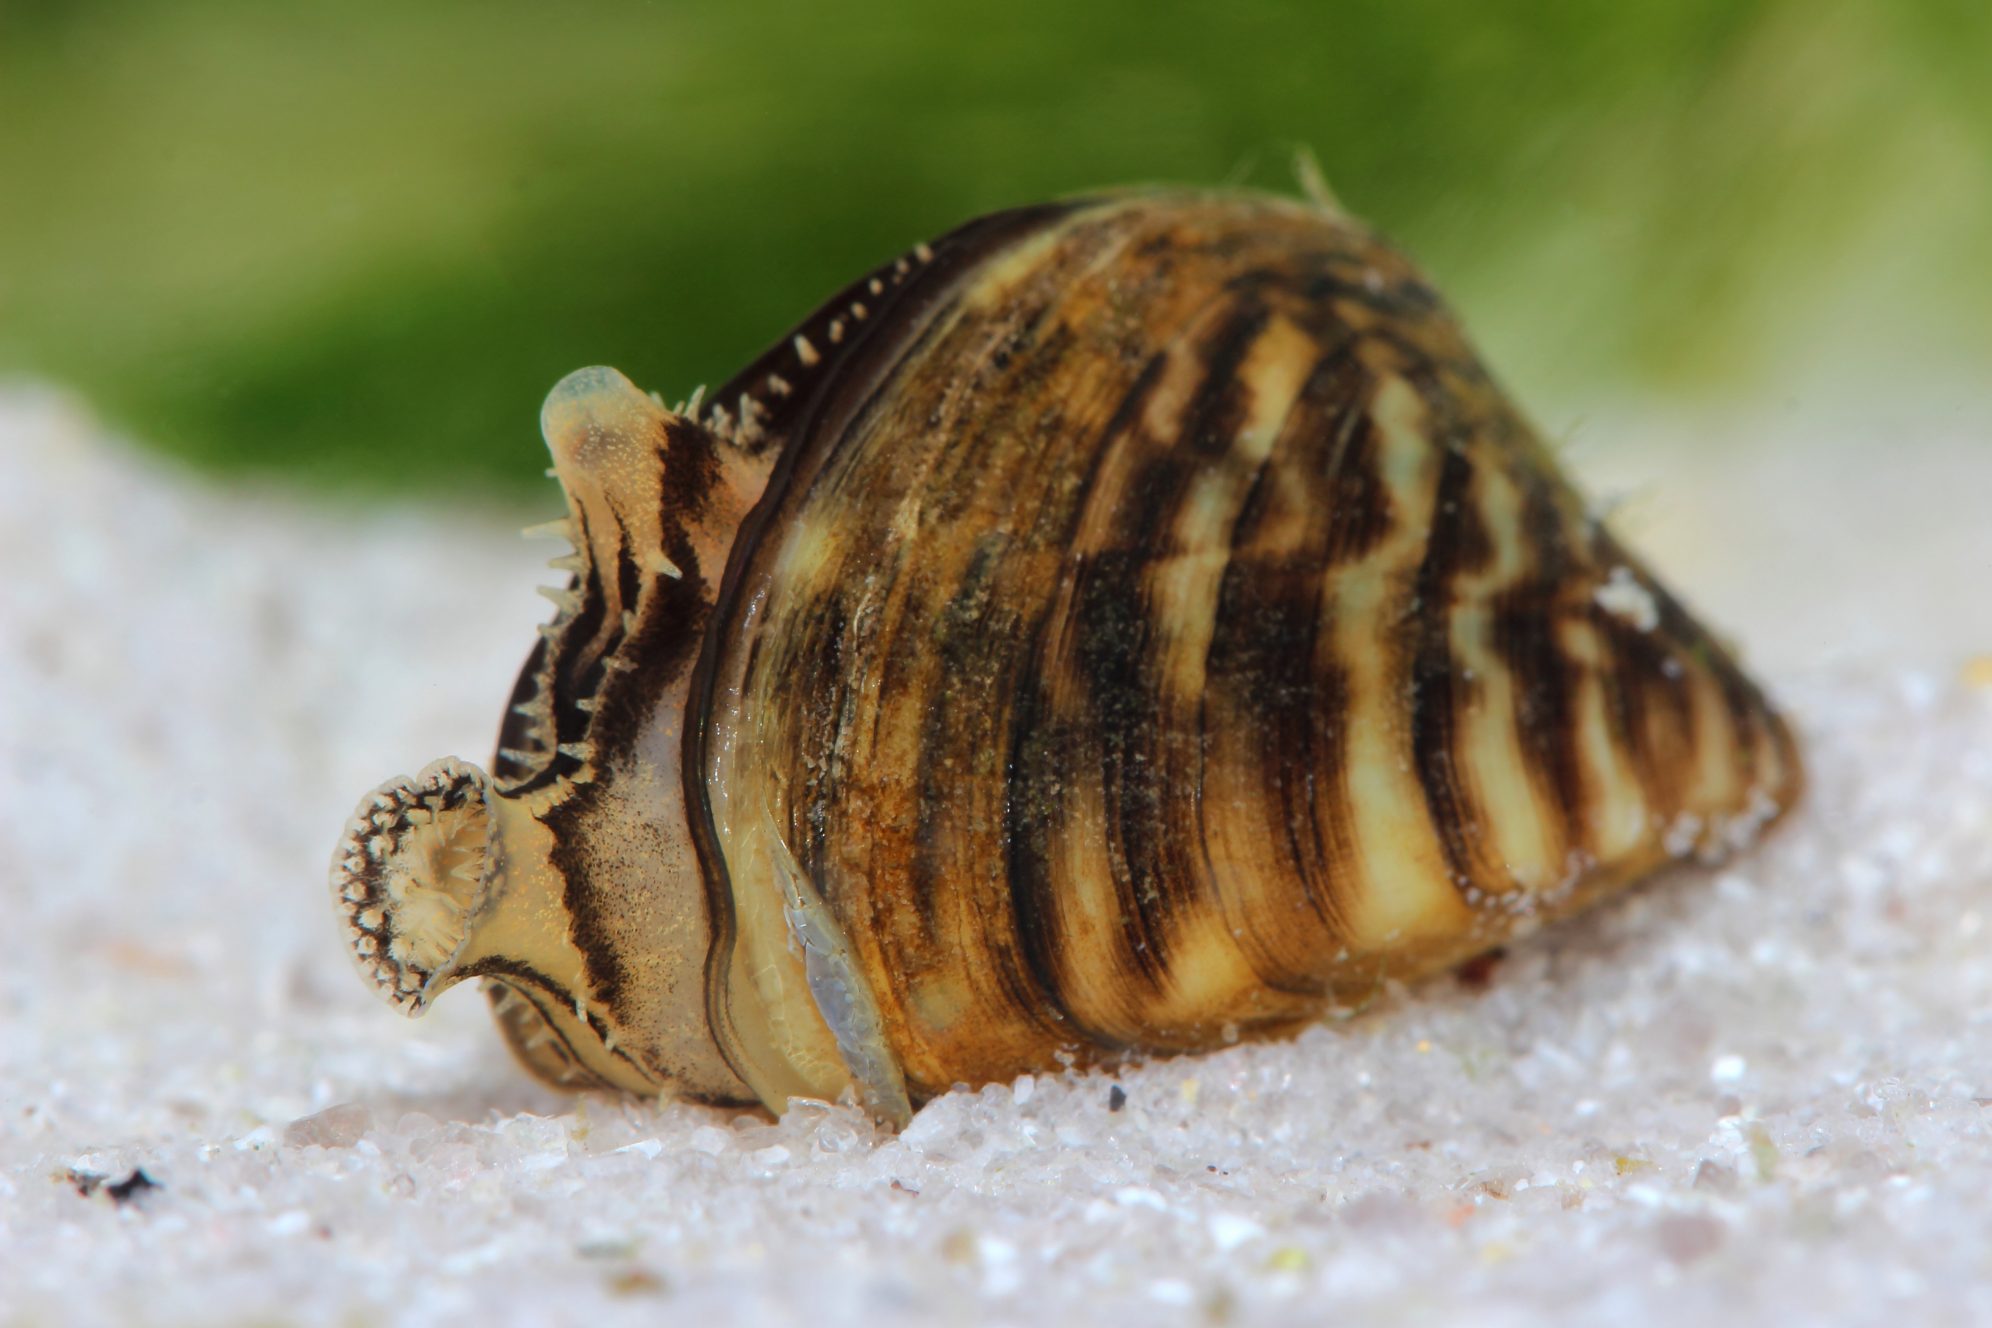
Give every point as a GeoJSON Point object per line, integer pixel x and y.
{"type": "Point", "coordinates": [1268, 681]}
{"type": "Point", "coordinates": [1525, 639]}
{"type": "Point", "coordinates": [1265, 676]}
{"type": "Point", "coordinates": [1036, 762]}
{"type": "Point", "coordinates": [1650, 710]}
{"type": "Point", "coordinates": [1032, 821]}
{"type": "Point", "coordinates": [1113, 652]}
{"type": "Point", "coordinates": [1439, 693]}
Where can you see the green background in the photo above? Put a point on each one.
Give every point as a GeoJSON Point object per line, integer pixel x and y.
{"type": "Point", "coordinates": [355, 242]}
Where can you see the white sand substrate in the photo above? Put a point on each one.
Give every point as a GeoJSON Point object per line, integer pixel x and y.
{"type": "Point", "coordinates": [1757, 1094]}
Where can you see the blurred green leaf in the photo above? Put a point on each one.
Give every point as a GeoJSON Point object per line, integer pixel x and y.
{"type": "Point", "coordinates": [356, 241]}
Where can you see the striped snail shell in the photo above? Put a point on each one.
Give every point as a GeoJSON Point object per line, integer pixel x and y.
{"type": "Point", "coordinates": [1121, 626]}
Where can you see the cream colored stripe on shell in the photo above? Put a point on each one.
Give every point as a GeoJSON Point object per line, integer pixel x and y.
{"type": "Point", "coordinates": [1403, 895]}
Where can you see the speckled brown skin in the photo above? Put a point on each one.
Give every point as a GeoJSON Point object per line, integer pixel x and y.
{"type": "Point", "coordinates": [1123, 626]}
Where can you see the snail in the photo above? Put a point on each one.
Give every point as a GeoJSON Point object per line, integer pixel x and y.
{"type": "Point", "coordinates": [1119, 627]}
